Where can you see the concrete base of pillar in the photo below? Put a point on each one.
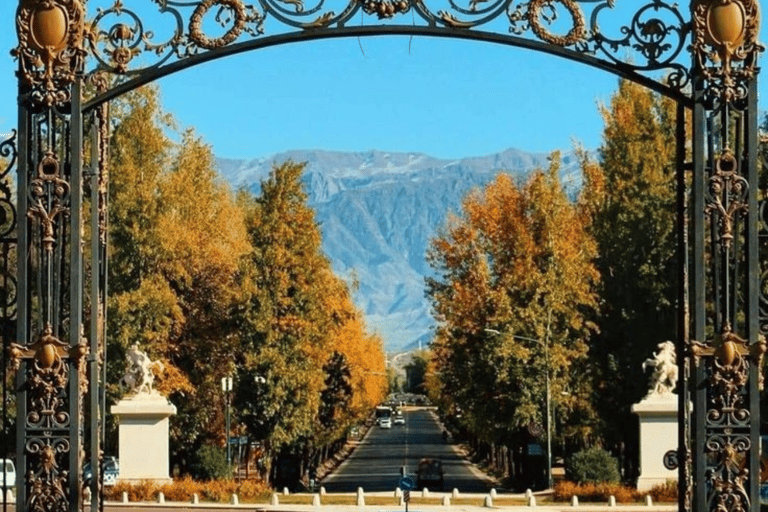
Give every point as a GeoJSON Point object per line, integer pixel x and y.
{"type": "Point", "coordinates": [143, 437]}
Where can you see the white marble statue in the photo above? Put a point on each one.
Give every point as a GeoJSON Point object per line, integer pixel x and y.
{"type": "Point", "coordinates": [664, 378]}
{"type": "Point", "coordinates": [139, 377]}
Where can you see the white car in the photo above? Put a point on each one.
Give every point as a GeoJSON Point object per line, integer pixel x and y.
{"type": "Point", "coordinates": [8, 477]}
{"type": "Point", "coordinates": [399, 420]}
{"type": "Point", "coordinates": [385, 423]}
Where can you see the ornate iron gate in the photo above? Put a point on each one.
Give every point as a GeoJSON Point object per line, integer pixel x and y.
{"type": "Point", "coordinates": [53, 303]}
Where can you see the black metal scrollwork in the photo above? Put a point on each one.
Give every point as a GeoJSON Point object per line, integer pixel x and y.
{"type": "Point", "coordinates": [48, 483]}
{"type": "Point", "coordinates": [763, 237]}
{"type": "Point", "coordinates": [652, 40]}
{"type": "Point", "coordinates": [728, 417]}
{"type": "Point", "coordinates": [657, 32]}
{"type": "Point", "coordinates": [7, 206]}
{"type": "Point", "coordinates": [727, 195]}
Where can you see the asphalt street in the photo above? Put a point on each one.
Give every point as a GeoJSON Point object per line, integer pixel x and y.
{"type": "Point", "coordinates": [376, 463]}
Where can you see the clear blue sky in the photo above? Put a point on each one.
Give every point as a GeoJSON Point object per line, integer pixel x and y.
{"type": "Point", "coordinates": [444, 98]}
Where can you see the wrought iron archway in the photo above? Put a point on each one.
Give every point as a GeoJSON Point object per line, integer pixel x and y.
{"type": "Point", "coordinates": [705, 58]}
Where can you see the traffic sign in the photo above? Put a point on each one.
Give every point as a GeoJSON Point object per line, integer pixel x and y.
{"type": "Point", "coordinates": [406, 483]}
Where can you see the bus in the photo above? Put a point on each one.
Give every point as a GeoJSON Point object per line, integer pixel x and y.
{"type": "Point", "coordinates": [383, 411]}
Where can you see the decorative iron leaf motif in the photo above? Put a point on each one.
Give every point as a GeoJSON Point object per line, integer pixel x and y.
{"type": "Point", "coordinates": [725, 46]}
{"type": "Point", "coordinates": [531, 14]}
{"type": "Point", "coordinates": [47, 482]}
{"type": "Point", "coordinates": [50, 50]}
{"type": "Point", "coordinates": [727, 444]}
{"type": "Point", "coordinates": [727, 196]}
{"type": "Point", "coordinates": [48, 196]}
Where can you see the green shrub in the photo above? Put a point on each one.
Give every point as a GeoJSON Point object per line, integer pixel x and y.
{"type": "Point", "coordinates": [211, 463]}
{"type": "Point", "coordinates": [593, 465]}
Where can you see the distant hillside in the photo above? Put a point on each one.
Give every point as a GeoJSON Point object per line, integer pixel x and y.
{"type": "Point", "coordinates": [378, 211]}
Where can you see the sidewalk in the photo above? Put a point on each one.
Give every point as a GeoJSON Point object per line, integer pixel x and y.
{"type": "Point", "coordinates": [559, 507]}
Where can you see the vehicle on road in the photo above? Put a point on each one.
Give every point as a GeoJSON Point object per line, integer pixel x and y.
{"type": "Point", "coordinates": [430, 474]}
{"type": "Point", "coordinates": [111, 471]}
{"type": "Point", "coordinates": [9, 474]}
{"type": "Point", "coordinates": [383, 412]}
{"type": "Point", "coordinates": [385, 423]}
{"type": "Point", "coordinates": [399, 420]}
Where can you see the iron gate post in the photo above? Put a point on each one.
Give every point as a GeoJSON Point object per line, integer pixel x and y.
{"type": "Point", "coordinates": [725, 347]}
{"type": "Point", "coordinates": [50, 348]}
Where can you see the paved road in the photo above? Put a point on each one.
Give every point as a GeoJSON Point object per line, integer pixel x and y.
{"type": "Point", "coordinates": [375, 464]}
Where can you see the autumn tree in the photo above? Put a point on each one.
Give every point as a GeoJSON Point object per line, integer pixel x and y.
{"type": "Point", "coordinates": [214, 286]}
{"type": "Point", "coordinates": [177, 240]}
{"type": "Point", "coordinates": [303, 338]}
{"type": "Point", "coordinates": [284, 346]}
{"type": "Point", "coordinates": [363, 352]}
{"type": "Point", "coordinates": [630, 192]}
{"type": "Point", "coordinates": [514, 293]}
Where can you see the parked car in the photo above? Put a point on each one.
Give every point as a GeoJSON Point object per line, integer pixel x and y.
{"type": "Point", "coordinates": [385, 423]}
{"type": "Point", "coordinates": [111, 471]}
{"type": "Point", "coordinates": [9, 474]}
{"type": "Point", "coordinates": [430, 474]}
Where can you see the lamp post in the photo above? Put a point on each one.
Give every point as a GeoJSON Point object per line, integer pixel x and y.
{"type": "Point", "coordinates": [547, 398]}
{"type": "Point", "coordinates": [226, 388]}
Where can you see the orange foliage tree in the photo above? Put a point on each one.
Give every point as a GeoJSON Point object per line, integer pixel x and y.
{"type": "Point", "coordinates": [514, 294]}
{"type": "Point", "coordinates": [176, 241]}
{"type": "Point", "coordinates": [214, 286]}
{"type": "Point", "coordinates": [304, 348]}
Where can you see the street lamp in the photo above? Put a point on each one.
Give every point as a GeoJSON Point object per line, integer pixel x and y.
{"type": "Point", "coordinates": [545, 344]}
{"type": "Point", "coordinates": [226, 388]}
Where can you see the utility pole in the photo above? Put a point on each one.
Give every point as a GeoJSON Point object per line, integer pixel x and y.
{"type": "Point", "coordinates": [548, 402]}
{"type": "Point", "coordinates": [547, 398]}
{"type": "Point", "coordinates": [226, 388]}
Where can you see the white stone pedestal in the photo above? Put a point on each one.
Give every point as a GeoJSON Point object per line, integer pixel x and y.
{"type": "Point", "coordinates": [658, 435]}
{"type": "Point", "coordinates": [143, 443]}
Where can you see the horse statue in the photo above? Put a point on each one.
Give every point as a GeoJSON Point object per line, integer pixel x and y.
{"type": "Point", "coordinates": [139, 376]}
{"type": "Point", "coordinates": [664, 364]}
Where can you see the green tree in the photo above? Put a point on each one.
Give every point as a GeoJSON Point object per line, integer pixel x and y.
{"type": "Point", "coordinates": [286, 319]}
{"type": "Point", "coordinates": [416, 371]}
{"type": "Point", "coordinates": [177, 239]}
{"type": "Point", "coordinates": [631, 196]}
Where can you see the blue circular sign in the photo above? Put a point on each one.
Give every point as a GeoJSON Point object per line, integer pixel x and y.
{"type": "Point", "coordinates": [406, 483]}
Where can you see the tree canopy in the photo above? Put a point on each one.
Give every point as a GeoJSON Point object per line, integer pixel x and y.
{"type": "Point", "coordinates": [216, 284]}
{"type": "Point", "coordinates": [632, 188]}
{"type": "Point", "coordinates": [530, 282]}
{"type": "Point", "coordinates": [515, 292]}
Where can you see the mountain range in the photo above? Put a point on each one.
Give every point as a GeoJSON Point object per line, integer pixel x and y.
{"type": "Point", "coordinates": [378, 211]}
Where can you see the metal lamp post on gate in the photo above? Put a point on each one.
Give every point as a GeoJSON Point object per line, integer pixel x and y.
{"type": "Point", "coordinates": [226, 388]}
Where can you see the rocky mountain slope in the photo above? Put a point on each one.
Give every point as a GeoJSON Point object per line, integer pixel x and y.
{"type": "Point", "coordinates": [378, 211]}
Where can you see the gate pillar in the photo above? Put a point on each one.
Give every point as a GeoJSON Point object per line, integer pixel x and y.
{"type": "Point", "coordinates": [50, 350]}
{"type": "Point", "coordinates": [724, 347]}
